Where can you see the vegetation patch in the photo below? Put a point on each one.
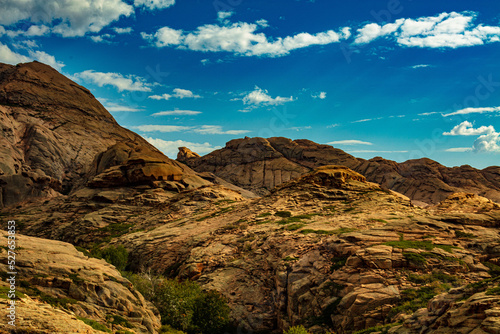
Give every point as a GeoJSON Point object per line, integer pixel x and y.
{"type": "Point", "coordinates": [294, 227]}
{"type": "Point", "coordinates": [95, 325]}
{"type": "Point", "coordinates": [414, 299]}
{"type": "Point", "coordinates": [461, 234]}
{"type": "Point", "coordinates": [283, 214]}
{"type": "Point", "coordinates": [119, 320]}
{"type": "Point", "coordinates": [419, 244]}
{"type": "Point", "coordinates": [338, 262]}
{"type": "Point", "coordinates": [416, 259]}
{"type": "Point", "coordinates": [183, 305]}
{"type": "Point", "coordinates": [378, 329]}
{"type": "Point", "coordinates": [296, 330]}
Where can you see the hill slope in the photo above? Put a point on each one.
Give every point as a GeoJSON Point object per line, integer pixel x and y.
{"type": "Point", "coordinates": [55, 137]}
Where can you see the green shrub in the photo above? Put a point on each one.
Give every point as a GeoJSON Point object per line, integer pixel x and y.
{"type": "Point", "coordinates": [117, 256]}
{"type": "Point", "coordinates": [296, 330]}
{"type": "Point", "coordinates": [283, 214]}
{"type": "Point", "coordinates": [415, 259]}
{"type": "Point", "coordinates": [95, 325]}
{"type": "Point", "coordinates": [460, 234]}
{"type": "Point", "coordinates": [211, 313]}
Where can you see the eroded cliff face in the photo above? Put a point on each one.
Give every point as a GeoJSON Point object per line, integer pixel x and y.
{"type": "Point", "coordinates": [260, 164]}
{"type": "Point", "coordinates": [56, 137]}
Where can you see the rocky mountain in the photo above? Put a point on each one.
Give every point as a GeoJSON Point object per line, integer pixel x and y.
{"type": "Point", "coordinates": [323, 246]}
{"type": "Point", "coordinates": [56, 137]}
{"type": "Point", "coordinates": [260, 164]}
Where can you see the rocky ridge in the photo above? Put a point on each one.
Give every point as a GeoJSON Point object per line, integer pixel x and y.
{"type": "Point", "coordinates": [260, 164]}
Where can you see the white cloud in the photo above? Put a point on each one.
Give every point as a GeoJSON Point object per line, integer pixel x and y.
{"type": "Point", "coordinates": [121, 82]}
{"type": "Point", "coordinates": [120, 31]}
{"type": "Point", "coordinates": [176, 112]}
{"type": "Point", "coordinates": [459, 149]}
{"type": "Point", "coordinates": [349, 142]}
{"type": "Point", "coordinates": [467, 129]}
{"type": "Point", "coordinates": [320, 95]}
{"type": "Point", "coordinates": [488, 140]}
{"type": "Point", "coordinates": [10, 57]}
{"type": "Point", "coordinates": [105, 38]}
{"type": "Point", "coordinates": [68, 18]}
{"type": "Point", "coordinates": [446, 30]}
{"type": "Point", "coordinates": [170, 148]}
{"type": "Point", "coordinates": [372, 31]}
{"type": "Point", "coordinates": [261, 97]}
{"type": "Point", "coordinates": [217, 130]}
{"type": "Point", "coordinates": [160, 97]}
{"type": "Point", "coordinates": [300, 128]}
{"type": "Point", "coordinates": [222, 17]}
{"type": "Point", "coordinates": [2, 30]}
{"type": "Point", "coordinates": [467, 111]}
{"type": "Point", "coordinates": [241, 38]}
{"type": "Point", "coordinates": [154, 4]}
{"type": "Point", "coordinates": [161, 128]}
{"type": "Point", "coordinates": [185, 94]}
{"type": "Point", "coordinates": [115, 107]}
{"type": "Point", "coordinates": [420, 66]}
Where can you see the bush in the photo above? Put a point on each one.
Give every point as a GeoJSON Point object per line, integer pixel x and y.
{"type": "Point", "coordinates": [283, 214]}
{"type": "Point", "coordinates": [211, 313]}
{"type": "Point", "coordinates": [117, 256]}
{"type": "Point", "coordinates": [176, 301]}
{"type": "Point", "coordinates": [183, 306]}
{"type": "Point", "coordinates": [296, 330]}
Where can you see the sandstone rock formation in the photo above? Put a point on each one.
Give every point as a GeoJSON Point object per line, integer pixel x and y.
{"type": "Point", "coordinates": [259, 164]}
{"type": "Point", "coordinates": [55, 136]}
{"type": "Point", "coordinates": [75, 285]}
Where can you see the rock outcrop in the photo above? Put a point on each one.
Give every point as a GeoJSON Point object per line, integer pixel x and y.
{"type": "Point", "coordinates": [55, 136]}
{"type": "Point", "coordinates": [75, 285]}
{"type": "Point", "coordinates": [259, 165]}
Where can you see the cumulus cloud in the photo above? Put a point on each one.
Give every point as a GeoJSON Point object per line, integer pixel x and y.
{"type": "Point", "coordinates": [120, 31]}
{"type": "Point", "coordinates": [105, 38]}
{"type": "Point", "coordinates": [160, 97]}
{"type": "Point", "coordinates": [241, 38]}
{"type": "Point", "coordinates": [217, 130]}
{"type": "Point", "coordinates": [10, 57]}
{"type": "Point", "coordinates": [467, 111]}
{"type": "Point", "coordinates": [119, 81]}
{"type": "Point", "coordinates": [261, 97]}
{"type": "Point", "coordinates": [488, 140]}
{"type": "Point", "coordinates": [446, 30]}
{"type": "Point", "coordinates": [320, 95]}
{"type": "Point", "coordinates": [467, 129]}
{"type": "Point", "coordinates": [176, 113]}
{"type": "Point", "coordinates": [487, 143]}
{"type": "Point", "coordinates": [349, 142]}
{"type": "Point", "coordinates": [170, 148]}
{"type": "Point", "coordinates": [154, 4]}
{"type": "Point", "coordinates": [67, 18]}
{"type": "Point", "coordinates": [185, 94]}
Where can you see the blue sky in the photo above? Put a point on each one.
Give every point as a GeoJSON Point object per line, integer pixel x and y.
{"type": "Point", "coordinates": [399, 79]}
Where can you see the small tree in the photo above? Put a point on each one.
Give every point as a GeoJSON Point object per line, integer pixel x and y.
{"type": "Point", "coordinates": [211, 313]}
